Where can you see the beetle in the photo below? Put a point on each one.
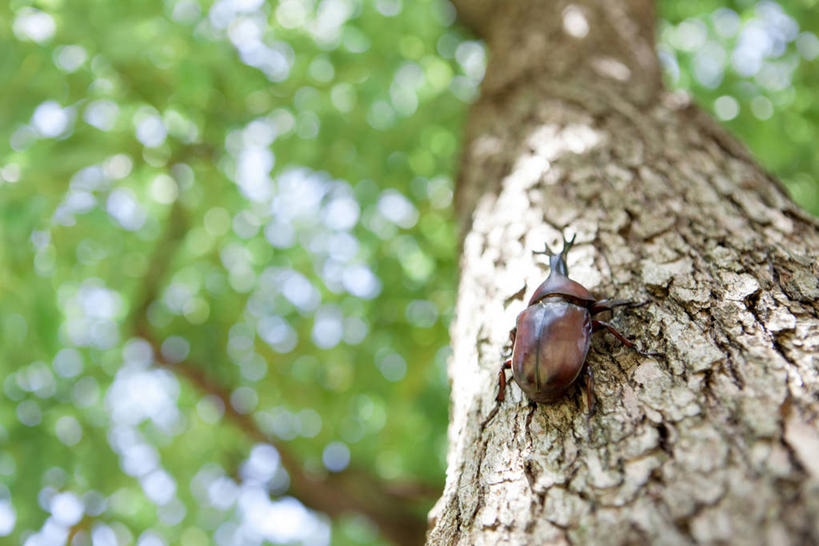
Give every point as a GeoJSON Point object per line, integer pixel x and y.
{"type": "Point", "coordinates": [552, 336]}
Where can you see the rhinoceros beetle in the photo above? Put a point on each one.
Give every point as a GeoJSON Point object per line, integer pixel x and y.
{"type": "Point", "coordinates": [552, 335]}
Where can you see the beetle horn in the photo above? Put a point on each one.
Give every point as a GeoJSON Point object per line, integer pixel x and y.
{"type": "Point", "coordinates": [557, 262]}
{"type": "Point", "coordinates": [546, 250]}
{"type": "Point", "coordinates": [567, 245]}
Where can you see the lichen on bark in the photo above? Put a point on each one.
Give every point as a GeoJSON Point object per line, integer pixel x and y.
{"type": "Point", "coordinates": [716, 439]}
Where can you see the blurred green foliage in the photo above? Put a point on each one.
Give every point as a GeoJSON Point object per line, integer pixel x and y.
{"type": "Point", "coordinates": [258, 195]}
{"type": "Point", "coordinates": [754, 66]}
{"type": "Point", "coordinates": [277, 178]}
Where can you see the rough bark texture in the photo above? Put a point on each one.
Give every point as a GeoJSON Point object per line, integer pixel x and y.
{"type": "Point", "coordinates": [715, 441]}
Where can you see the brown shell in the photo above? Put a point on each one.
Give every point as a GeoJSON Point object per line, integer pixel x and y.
{"type": "Point", "coordinates": [551, 345]}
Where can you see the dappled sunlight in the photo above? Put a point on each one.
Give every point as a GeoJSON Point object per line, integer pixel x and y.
{"type": "Point", "coordinates": [238, 216]}
{"type": "Point", "coordinates": [744, 66]}
{"type": "Point", "coordinates": [611, 68]}
{"type": "Point", "coordinates": [230, 259]}
{"type": "Point", "coordinates": [574, 22]}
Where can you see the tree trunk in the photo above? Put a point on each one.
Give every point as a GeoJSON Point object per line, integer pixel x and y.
{"type": "Point", "coordinates": [716, 439]}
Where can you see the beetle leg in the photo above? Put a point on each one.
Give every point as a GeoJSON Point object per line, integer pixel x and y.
{"type": "Point", "coordinates": [590, 400]}
{"type": "Point", "coordinates": [599, 325]}
{"type": "Point", "coordinates": [508, 352]}
{"type": "Point", "coordinates": [608, 305]}
{"type": "Point", "coordinates": [502, 380]}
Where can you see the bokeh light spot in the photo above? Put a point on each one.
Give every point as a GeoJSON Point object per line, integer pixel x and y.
{"type": "Point", "coordinates": [33, 24]}
{"type": "Point", "coordinates": [726, 107]}
{"type": "Point", "coordinates": [68, 430]}
{"type": "Point", "coordinates": [66, 508]}
{"type": "Point", "coordinates": [175, 349]}
{"type": "Point", "coordinates": [336, 456]}
{"type": "Point", "coordinates": [50, 119]}
{"type": "Point", "coordinates": [8, 517]}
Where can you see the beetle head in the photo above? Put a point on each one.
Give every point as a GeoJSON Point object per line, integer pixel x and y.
{"type": "Point", "coordinates": [558, 282]}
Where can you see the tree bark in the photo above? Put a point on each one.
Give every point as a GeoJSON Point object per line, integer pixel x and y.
{"type": "Point", "coordinates": [715, 440]}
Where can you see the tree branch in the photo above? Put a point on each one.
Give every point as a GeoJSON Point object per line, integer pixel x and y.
{"type": "Point", "coordinates": [390, 506]}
